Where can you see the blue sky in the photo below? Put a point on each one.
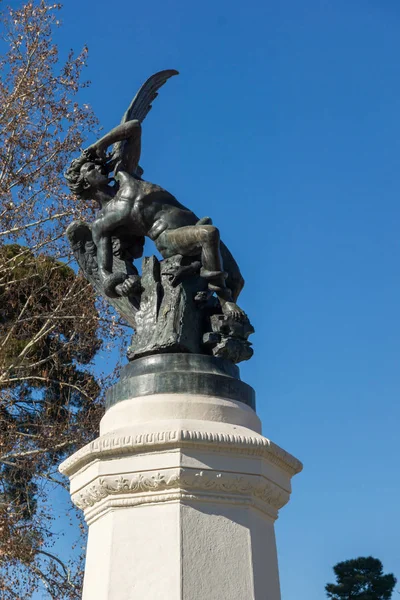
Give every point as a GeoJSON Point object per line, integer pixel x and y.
{"type": "Point", "coordinates": [284, 127]}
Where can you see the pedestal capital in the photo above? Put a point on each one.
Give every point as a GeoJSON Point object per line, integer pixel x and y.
{"type": "Point", "coordinates": [132, 469]}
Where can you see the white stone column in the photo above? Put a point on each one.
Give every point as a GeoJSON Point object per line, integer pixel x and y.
{"type": "Point", "coordinates": [181, 492]}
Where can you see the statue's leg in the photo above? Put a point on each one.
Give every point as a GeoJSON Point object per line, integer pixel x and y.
{"type": "Point", "coordinates": [204, 239]}
{"type": "Point", "coordinates": [234, 281]}
{"type": "Point", "coordinates": [198, 239]}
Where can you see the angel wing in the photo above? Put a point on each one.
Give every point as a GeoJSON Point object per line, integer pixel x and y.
{"type": "Point", "coordinates": [80, 238]}
{"type": "Point", "coordinates": [126, 154]}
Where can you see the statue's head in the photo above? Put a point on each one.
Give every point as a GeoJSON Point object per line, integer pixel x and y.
{"type": "Point", "coordinates": [86, 174]}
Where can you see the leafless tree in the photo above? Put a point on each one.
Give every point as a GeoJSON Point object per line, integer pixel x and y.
{"type": "Point", "coordinates": [50, 325]}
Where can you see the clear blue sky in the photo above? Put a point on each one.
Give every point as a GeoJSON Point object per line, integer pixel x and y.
{"type": "Point", "coordinates": [284, 127]}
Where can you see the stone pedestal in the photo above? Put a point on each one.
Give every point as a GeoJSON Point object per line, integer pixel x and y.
{"type": "Point", "coordinates": [181, 490]}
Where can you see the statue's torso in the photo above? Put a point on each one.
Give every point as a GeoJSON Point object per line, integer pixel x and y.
{"type": "Point", "coordinates": [152, 209]}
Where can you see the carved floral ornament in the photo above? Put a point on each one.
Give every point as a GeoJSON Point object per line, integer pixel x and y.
{"type": "Point", "coordinates": [145, 488]}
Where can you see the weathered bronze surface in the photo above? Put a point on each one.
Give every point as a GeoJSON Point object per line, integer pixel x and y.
{"type": "Point", "coordinates": [184, 303]}
{"type": "Point", "coordinates": [181, 374]}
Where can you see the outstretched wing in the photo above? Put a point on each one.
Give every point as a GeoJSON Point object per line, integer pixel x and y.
{"type": "Point", "coordinates": [127, 152]}
{"type": "Point", "coordinates": [141, 104]}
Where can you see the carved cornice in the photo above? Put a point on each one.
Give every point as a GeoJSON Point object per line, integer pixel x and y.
{"type": "Point", "coordinates": [112, 445]}
{"type": "Point", "coordinates": [175, 484]}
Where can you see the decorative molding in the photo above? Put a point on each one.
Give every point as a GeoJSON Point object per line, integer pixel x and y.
{"type": "Point", "coordinates": [136, 484]}
{"type": "Point", "coordinates": [146, 488]}
{"type": "Point", "coordinates": [116, 444]}
{"type": "Point", "coordinates": [113, 502]}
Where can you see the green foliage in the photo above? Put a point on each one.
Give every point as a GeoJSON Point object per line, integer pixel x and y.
{"type": "Point", "coordinates": [49, 398]}
{"type": "Point", "coordinates": [49, 326]}
{"type": "Point", "coordinates": [361, 579]}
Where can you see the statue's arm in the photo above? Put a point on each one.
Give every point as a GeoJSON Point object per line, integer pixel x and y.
{"type": "Point", "coordinates": [131, 130]}
{"type": "Point", "coordinates": [112, 217]}
{"type": "Point", "coordinates": [102, 240]}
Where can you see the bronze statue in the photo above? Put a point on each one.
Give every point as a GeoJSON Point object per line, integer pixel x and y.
{"type": "Point", "coordinates": [132, 209]}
